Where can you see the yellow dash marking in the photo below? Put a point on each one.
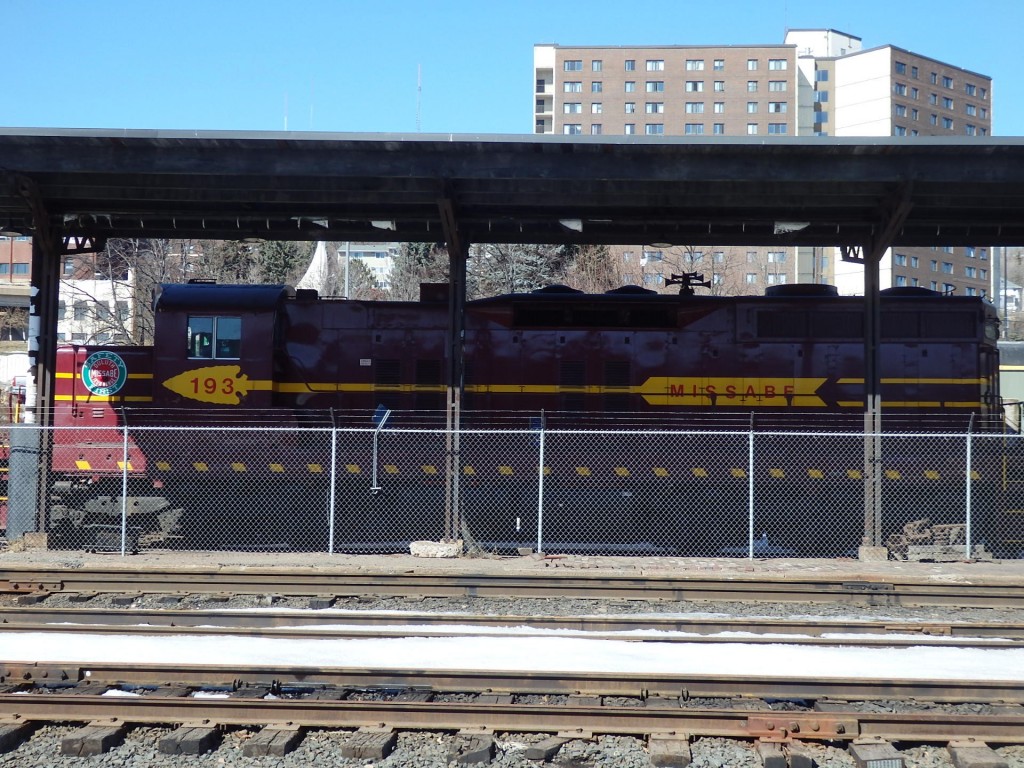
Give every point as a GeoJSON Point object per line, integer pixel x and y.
{"type": "Point", "coordinates": [238, 466]}
{"type": "Point", "coordinates": [892, 474]}
{"type": "Point", "coordinates": [737, 472]}
{"type": "Point", "coordinates": [661, 472]}
{"type": "Point", "coordinates": [353, 469]}
{"type": "Point", "coordinates": [622, 472]}
{"type": "Point", "coordinates": [120, 465]}
{"type": "Point", "coordinates": [776, 472]}
{"type": "Point", "coordinates": [931, 474]}
{"type": "Point", "coordinates": [975, 475]}
{"type": "Point", "coordinates": [315, 468]}
{"type": "Point", "coordinates": [163, 466]}
{"type": "Point", "coordinates": [200, 466]}
{"type": "Point", "coordinates": [429, 469]}
{"type": "Point", "coordinates": [854, 474]}
{"type": "Point", "coordinates": [391, 469]}
{"type": "Point", "coordinates": [505, 470]}
{"type": "Point", "coordinates": [583, 471]}
{"type": "Point", "coordinates": [277, 467]}
{"type": "Point", "coordinates": [700, 472]}
{"type": "Point", "coordinates": [547, 470]}
{"type": "Point", "coordinates": [468, 470]}
{"type": "Point", "coordinates": [83, 464]}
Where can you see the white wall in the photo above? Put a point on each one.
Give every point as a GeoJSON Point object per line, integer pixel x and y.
{"type": "Point", "coordinates": [862, 100]}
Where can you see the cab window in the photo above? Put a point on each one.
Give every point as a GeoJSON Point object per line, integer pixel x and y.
{"type": "Point", "coordinates": [214, 337]}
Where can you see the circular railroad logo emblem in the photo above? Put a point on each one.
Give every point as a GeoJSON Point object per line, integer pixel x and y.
{"type": "Point", "coordinates": [104, 373]}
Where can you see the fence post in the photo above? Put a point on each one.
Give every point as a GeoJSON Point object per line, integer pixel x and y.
{"type": "Point", "coordinates": [124, 491]}
{"type": "Point", "coordinates": [750, 490]}
{"type": "Point", "coordinates": [540, 491]}
{"type": "Point", "coordinates": [967, 543]}
{"type": "Point", "coordinates": [334, 480]}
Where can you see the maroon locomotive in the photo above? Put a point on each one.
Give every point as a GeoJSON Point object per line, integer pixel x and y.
{"type": "Point", "coordinates": [239, 354]}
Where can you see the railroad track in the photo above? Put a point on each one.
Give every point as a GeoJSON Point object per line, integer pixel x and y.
{"type": "Point", "coordinates": [371, 624]}
{"type": "Point", "coordinates": [549, 584]}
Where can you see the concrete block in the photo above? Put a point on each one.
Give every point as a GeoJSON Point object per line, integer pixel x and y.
{"type": "Point", "coordinates": [771, 754]}
{"type": "Point", "coordinates": [872, 554]}
{"type": "Point", "coordinates": [875, 755]}
{"type": "Point", "coordinates": [546, 749]}
{"type": "Point", "coordinates": [436, 548]}
{"type": "Point", "coordinates": [669, 750]}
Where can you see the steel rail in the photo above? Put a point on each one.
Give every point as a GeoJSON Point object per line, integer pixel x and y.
{"type": "Point", "coordinates": [543, 718]}
{"type": "Point", "coordinates": [370, 626]}
{"type": "Point", "coordinates": [341, 582]}
{"type": "Point", "coordinates": [641, 685]}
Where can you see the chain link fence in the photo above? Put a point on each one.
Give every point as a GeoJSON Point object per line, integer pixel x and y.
{"type": "Point", "coordinates": [717, 493]}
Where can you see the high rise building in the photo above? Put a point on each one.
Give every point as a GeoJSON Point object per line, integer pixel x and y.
{"type": "Point", "coordinates": [819, 82]}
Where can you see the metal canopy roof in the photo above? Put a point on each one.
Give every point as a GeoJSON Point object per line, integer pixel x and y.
{"type": "Point", "coordinates": [541, 189]}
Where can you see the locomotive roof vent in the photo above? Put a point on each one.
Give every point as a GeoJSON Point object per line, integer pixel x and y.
{"type": "Point", "coordinates": [811, 290]}
{"type": "Point", "coordinates": [556, 288]}
{"type": "Point", "coordinates": [909, 290]}
{"type": "Point", "coordinates": [306, 294]}
{"type": "Point", "coordinates": [631, 290]}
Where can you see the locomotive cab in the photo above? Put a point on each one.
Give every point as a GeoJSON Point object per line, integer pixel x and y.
{"type": "Point", "coordinates": [212, 344]}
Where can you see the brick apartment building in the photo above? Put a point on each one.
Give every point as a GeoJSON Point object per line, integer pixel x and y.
{"type": "Point", "coordinates": [818, 82]}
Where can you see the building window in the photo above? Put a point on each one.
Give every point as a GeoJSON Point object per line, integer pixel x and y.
{"type": "Point", "coordinates": [899, 130]}
{"type": "Point", "coordinates": [572, 129]}
{"type": "Point", "coordinates": [630, 129]}
{"type": "Point", "coordinates": [915, 262]}
{"type": "Point", "coordinates": [983, 113]}
{"type": "Point", "coordinates": [913, 72]}
{"type": "Point", "coordinates": [933, 98]}
{"type": "Point", "coordinates": [751, 257]}
{"type": "Point", "coordinates": [719, 107]}
{"type": "Point", "coordinates": [695, 65]}
{"type": "Point", "coordinates": [595, 65]}
{"type": "Point", "coordinates": [695, 107]}
{"type": "Point", "coordinates": [630, 86]}
{"type": "Point", "coordinates": [654, 129]}
{"type": "Point", "coordinates": [630, 65]}
{"type": "Point", "coordinates": [572, 87]}
{"type": "Point", "coordinates": [751, 65]}
{"type": "Point", "coordinates": [657, 86]}
{"type": "Point", "coordinates": [655, 65]}
{"type": "Point", "coordinates": [751, 278]}
{"type": "Point", "coordinates": [947, 267]}
{"type": "Point", "coordinates": [971, 272]}
{"type": "Point", "coordinates": [776, 257]}
{"type": "Point", "coordinates": [900, 281]}
{"type": "Point", "coordinates": [934, 266]}
{"type": "Point", "coordinates": [630, 107]}
{"type": "Point", "coordinates": [80, 310]}
{"type": "Point", "coordinates": [595, 129]}
{"type": "Point", "coordinates": [777, 128]}
{"type": "Point", "coordinates": [719, 65]}
{"type": "Point", "coordinates": [776, 64]}
{"type": "Point", "coordinates": [899, 259]}
{"type": "Point", "coordinates": [694, 86]}
{"type": "Point", "coordinates": [901, 68]}
{"type": "Point", "coordinates": [970, 130]}
{"type": "Point", "coordinates": [821, 97]}
{"type": "Point", "coordinates": [983, 254]}
{"type": "Point", "coordinates": [821, 76]}
{"type": "Point", "coordinates": [777, 107]}
{"type": "Point", "coordinates": [751, 129]}
{"type": "Point", "coordinates": [982, 93]}
{"type": "Point", "coordinates": [971, 110]}
{"type": "Point", "coordinates": [901, 111]}
{"type": "Point", "coordinates": [693, 129]}
{"type": "Point", "coordinates": [654, 107]}
{"type": "Point", "coordinates": [719, 86]}
{"type": "Point", "coordinates": [947, 122]}
{"type": "Point", "coordinates": [934, 78]}
{"type": "Point", "coordinates": [947, 102]}
{"type": "Point", "coordinates": [572, 108]}
{"type": "Point", "coordinates": [776, 85]}
{"type": "Point", "coordinates": [947, 81]}
{"type": "Point", "coordinates": [596, 87]}
{"type": "Point", "coordinates": [573, 65]}
{"type": "Point", "coordinates": [718, 129]}
{"type": "Point", "coordinates": [751, 107]}
{"type": "Point", "coordinates": [751, 86]}
{"type": "Point", "coordinates": [69, 265]}
{"type": "Point", "coordinates": [913, 114]}
{"type": "Point", "coordinates": [21, 268]}
{"type": "Point", "coordinates": [62, 308]}
{"type": "Point", "coordinates": [899, 89]}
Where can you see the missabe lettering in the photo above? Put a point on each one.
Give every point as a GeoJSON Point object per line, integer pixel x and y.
{"type": "Point", "coordinates": [731, 391]}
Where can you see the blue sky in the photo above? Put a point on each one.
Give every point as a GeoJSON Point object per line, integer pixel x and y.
{"type": "Point", "coordinates": [348, 65]}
